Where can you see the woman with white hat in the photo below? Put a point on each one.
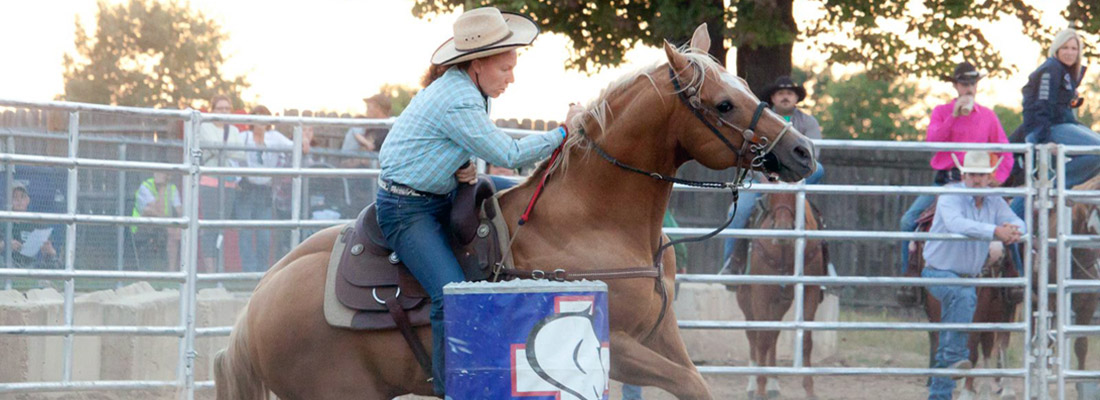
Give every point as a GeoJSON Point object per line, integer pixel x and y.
{"type": "Point", "coordinates": [445, 125]}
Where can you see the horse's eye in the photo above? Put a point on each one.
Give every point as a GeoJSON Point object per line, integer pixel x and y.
{"type": "Point", "coordinates": [724, 107]}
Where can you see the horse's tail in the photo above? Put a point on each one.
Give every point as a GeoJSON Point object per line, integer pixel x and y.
{"type": "Point", "coordinates": [235, 376]}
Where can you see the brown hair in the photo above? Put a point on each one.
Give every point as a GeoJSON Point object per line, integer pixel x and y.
{"type": "Point", "coordinates": [436, 71]}
{"type": "Point", "coordinates": [219, 97]}
{"type": "Point", "coordinates": [261, 110]}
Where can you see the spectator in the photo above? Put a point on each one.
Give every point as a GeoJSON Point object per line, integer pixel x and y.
{"type": "Point", "coordinates": [961, 120]}
{"type": "Point", "coordinates": [216, 194]}
{"type": "Point", "coordinates": [31, 246]}
{"type": "Point", "coordinates": [985, 218]}
{"type": "Point", "coordinates": [363, 139]}
{"type": "Point", "coordinates": [366, 140]}
{"type": "Point", "coordinates": [156, 197]}
{"type": "Point", "coordinates": [1050, 98]}
{"type": "Point", "coordinates": [254, 200]}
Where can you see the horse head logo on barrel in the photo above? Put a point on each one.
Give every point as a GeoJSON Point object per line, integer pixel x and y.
{"type": "Point", "coordinates": [596, 213]}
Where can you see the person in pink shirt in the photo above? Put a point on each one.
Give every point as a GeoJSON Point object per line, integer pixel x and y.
{"type": "Point", "coordinates": [961, 120]}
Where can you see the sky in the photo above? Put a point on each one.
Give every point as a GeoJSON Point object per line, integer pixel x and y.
{"type": "Point", "coordinates": [330, 54]}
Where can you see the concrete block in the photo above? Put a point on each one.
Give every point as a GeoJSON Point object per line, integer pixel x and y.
{"type": "Point", "coordinates": [140, 357]}
{"type": "Point", "coordinates": [30, 358]}
{"type": "Point", "coordinates": [88, 311]}
{"type": "Point", "coordinates": [214, 308]}
{"type": "Point", "coordinates": [701, 301]}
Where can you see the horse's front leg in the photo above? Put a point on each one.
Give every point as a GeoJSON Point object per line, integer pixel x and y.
{"type": "Point", "coordinates": [638, 364]}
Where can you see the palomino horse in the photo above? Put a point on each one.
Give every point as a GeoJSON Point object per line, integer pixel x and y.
{"type": "Point", "coordinates": [995, 305]}
{"type": "Point", "coordinates": [592, 215]}
{"type": "Point", "coordinates": [770, 302]}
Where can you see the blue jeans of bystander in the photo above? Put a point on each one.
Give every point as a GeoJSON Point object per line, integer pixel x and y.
{"type": "Point", "coordinates": [957, 304]}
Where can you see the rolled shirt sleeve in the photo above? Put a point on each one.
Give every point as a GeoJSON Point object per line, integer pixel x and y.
{"type": "Point", "coordinates": [468, 125]}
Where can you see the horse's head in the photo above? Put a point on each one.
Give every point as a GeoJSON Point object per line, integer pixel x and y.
{"type": "Point", "coordinates": [716, 114]}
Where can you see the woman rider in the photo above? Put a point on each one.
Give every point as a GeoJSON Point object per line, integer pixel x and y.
{"type": "Point", "coordinates": [1050, 98]}
{"type": "Point", "coordinates": [442, 128]}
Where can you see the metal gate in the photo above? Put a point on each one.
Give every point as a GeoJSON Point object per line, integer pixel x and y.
{"type": "Point", "coordinates": [1039, 368]}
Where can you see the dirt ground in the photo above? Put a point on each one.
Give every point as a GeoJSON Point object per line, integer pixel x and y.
{"type": "Point", "coordinates": [854, 348]}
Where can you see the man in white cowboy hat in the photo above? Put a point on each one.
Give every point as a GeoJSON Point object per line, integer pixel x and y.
{"type": "Point", "coordinates": [445, 125]}
{"type": "Point", "coordinates": [961, 120]}
{"type": "Point", "coordinates": [990, 221]}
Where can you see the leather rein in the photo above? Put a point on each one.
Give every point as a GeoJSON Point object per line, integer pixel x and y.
{"type": "Point", "coordinates": [758, 146]}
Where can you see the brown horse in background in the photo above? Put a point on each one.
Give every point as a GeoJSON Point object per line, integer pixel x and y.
{"type": "Point", "coordinates": [1084, 264]}
{"type": "Point", "coordinates": [771, 256]}
{"type": "Point", "coordinates": [994, 305]}
{"type": "Point", "coordinates": [592, 215]}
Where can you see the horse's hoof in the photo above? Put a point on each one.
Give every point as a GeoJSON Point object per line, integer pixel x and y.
{"type": "Point", "coordinates": [1008, 394]}
{"type": "Point", "coordinates": [773, 394]}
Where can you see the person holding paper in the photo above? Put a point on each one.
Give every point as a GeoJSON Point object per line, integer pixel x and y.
{"type": "Point", "coordinates": [30, 243]}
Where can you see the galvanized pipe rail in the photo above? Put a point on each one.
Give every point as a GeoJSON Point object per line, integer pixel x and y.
{"type": "Point", "coordinates": [189, 278]}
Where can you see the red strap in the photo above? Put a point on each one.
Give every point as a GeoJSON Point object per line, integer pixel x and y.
{"type": "Point", "coordinates": [538, 190]}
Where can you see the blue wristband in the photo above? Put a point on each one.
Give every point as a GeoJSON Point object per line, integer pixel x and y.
{"type": "Point", "coordinates": [564, 133]}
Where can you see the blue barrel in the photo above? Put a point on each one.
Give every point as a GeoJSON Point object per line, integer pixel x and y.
{"type": "Point", "coordinates": [523, 339]}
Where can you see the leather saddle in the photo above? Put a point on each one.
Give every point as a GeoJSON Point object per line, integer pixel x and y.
{"type": "Point", "coordinates": [368, 286]}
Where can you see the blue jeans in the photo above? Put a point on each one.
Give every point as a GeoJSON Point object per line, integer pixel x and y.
{"type": "Point", "coordinates": [501, 183]}
{"type": "Point", "coordinates": [909, 224]}
{"type": "Point", "coordinates": [746, 202]}
{"type": "Point", "coordinates": [957, 304]}
{"type": "Point", "coordinates": [631, 392]}
{"type": "Point", "coordinates": [254, 203]}
{"type": "Point", "coordinates": [417, 229]}
{"type": "Point", "coordinates": [1080, 168]}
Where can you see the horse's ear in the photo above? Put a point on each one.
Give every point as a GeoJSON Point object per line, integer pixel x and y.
{"type": "Point", "coordinates": [701, 38]}
{"type": "Point", "coordinates": [675, 59]}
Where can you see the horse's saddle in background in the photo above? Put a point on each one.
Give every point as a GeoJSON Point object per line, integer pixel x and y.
{"type": "Point", "coordinates": [367, 287]}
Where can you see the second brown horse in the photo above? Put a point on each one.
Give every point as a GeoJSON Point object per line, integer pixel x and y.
{"type": "Point", "coordinates": [770, 256]}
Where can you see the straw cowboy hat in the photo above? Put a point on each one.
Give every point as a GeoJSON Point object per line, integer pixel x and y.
{"type": "Point", "coordinates": [977, 162]}
{"type": "Point", "coordinates": [483, 32]}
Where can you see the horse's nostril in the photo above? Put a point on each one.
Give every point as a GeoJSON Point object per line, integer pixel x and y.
{"type": "Point", "coordinates": [802, 152]}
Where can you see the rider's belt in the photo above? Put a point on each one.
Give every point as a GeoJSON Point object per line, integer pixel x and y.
{"type": "Point", "coordinates": [399, 189]}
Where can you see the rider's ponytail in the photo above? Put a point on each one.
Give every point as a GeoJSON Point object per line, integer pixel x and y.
{"type": "Point", "coordinates": [436, 71]}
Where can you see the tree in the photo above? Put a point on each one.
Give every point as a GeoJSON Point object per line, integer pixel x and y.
{"type": "Point", "coordinates": [862, 107]}
{"type": "Point", "coordinates": [399, 95]}
{"type": "Point", "coordinates": [1010, 117]}
{"type": "Point", "coordinates": [890, 38]}
{"type": "Point", "coordinates": [1089, 112]}
{"type": "Point", "coordinates": [151, 54]}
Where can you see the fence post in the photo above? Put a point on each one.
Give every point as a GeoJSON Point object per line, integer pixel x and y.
{"type": "Point", "coordinates": [120, 235]}
{"type": "Point", "coordinates": [1028, 268]}
{"type": "Point", "coordinates": [296, 186]}
{"type": "Point", "coordinates": [70, 244]}
{"type": "Point", "coordinates": [799, 271]}
{"type": "Point", "coordinates": [1062, 264]}
{"type": "Point", "coordinates": [10, 171]}
{"type": "Point", "coordinates": [192, 160]}
{"type": "Point", "coordinates": [1043, 321]}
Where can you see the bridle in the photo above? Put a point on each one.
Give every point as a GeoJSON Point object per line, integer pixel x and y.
{"type": "Point", "coordinates": [759, 146]}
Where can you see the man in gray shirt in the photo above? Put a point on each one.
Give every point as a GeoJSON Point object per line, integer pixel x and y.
{"type": "Point", "coordinates": [990, 221]}
{"type": "Point", "coordinates": [783, 96]}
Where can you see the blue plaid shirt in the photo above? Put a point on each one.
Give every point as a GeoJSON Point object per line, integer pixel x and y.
{"type": "Point", "coordinates": [443, 126]}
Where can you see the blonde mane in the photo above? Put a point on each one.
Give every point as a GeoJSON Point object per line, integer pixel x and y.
{"type": "Point", "coordinates": [599, 111]}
